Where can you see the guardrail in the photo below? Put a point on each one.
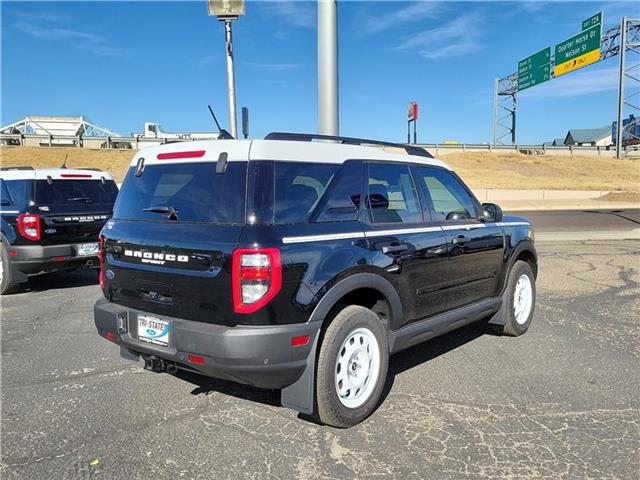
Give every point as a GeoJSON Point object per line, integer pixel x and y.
{"type": "Point", "coordinates": [136, 143]}
{"type": "Point", "coordinates": [443, 148]}
{"type": "Point", "coordinates": [83, 141]}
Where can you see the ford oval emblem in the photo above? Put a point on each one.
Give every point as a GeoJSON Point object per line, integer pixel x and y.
{"type": "Point", "coordinates": [110, 274]}
{"type": "Point", "coordinates": [50, 230]}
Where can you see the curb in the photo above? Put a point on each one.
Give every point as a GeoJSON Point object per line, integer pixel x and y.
{"type": "Point", "coordinates": [551, 237]}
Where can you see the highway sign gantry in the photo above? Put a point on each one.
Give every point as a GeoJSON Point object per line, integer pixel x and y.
{"type": "Point", "coordinates": [534, 69]}
{"type": "Point", "coordinates": [578, 51]}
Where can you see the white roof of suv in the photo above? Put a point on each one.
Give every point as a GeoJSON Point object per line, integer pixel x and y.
{"type": "Point", "coordinates": [55, 174]}
{"type": "Point", "coordinates": [278, 150]}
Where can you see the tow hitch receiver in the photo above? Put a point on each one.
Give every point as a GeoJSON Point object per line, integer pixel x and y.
{"type": "Point", "coordinates": [158, 365]}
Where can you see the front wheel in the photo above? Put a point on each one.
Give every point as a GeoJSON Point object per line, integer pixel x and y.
{"type": "Point", "coordinates": [352, 367]}
{"type": "Point", "coordinates": [521, 300]}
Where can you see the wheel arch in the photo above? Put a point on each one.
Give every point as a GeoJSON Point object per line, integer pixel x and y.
{"type": "Point", "coordinates": [365, 289]}
{"type": "Point", "coordinates": [525, 251]}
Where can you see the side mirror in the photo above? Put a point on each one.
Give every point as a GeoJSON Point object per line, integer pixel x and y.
{"type": "Point", "coordinates": [492, 212]}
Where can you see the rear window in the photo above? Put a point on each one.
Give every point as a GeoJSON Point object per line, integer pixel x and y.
{"type": "Point", "coordinates": [194, 190]}
{"type": "Point", "coordinates": [15, 192]}
{"type": "Point", "coordinates": [75, 192]}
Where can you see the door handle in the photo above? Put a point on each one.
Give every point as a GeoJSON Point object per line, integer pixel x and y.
{"type": "Point", "coordinates": [394, 248]}
{"type": "Point", "coordinates": [458, 239]}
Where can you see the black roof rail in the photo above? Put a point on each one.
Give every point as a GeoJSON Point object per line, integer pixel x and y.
{"type": "Point", "coordinates": [16, 168]}
{"type": "Point", "coordinates": [308, 137]}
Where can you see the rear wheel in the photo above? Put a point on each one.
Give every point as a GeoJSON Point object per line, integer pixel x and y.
{"type": "Point", "coordinates": [521, 300]}
{"type": "Point", "coordinates": [5, 272]}
{"type": "Point", "coordinates": [352, 367]}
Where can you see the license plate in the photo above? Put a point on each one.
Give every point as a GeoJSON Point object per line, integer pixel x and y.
{"type": "Point", "coordinates": [87, 249]}
{"type": "Point", "coordinates": [153, 330]}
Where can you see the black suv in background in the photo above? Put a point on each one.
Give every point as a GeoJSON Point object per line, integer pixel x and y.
{"type": "Point", "coordinates": [50, 220]}
{"type": "Point", "coordinates": [298, 265]}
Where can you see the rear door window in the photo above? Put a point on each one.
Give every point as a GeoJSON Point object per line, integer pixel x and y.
{"type": "Point", "coordinates": [75, 192]}
{"type": "Point", "coordinates": [193, 190]}
{"type": "Point", "coordinates": [299, 186]}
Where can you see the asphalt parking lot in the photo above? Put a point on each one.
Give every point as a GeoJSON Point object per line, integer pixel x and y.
{"type": "Point", "coordinates": [563, 401]}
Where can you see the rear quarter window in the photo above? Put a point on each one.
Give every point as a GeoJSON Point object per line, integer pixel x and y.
{"type": "Point", "coordinates": [15, 193]}
{"type": "Point", "coordinates": [194, 190]}
{"type": "Point", "coordinates": [299, 186]}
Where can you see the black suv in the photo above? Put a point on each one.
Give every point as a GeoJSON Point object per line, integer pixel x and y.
{"type": "Point", "coordinates": [297, 265]}
{"type": "Point", "coordinates": [50, 220]}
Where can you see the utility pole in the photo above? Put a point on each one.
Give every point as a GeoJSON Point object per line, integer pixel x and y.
{"type": "Point", "coordinates": [495, 111]}
{"type": "Point", "coordinates": [328, 117]}
{"type": "Point", "coordinates": [622, 54]}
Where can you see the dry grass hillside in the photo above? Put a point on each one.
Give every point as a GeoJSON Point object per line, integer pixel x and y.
{"type": "Point", "coordinates": [480, 170]}
{"type": "Point", "coordinates": [546, 172]}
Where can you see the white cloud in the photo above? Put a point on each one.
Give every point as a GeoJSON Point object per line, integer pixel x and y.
{"type": "Point", "coordinates": [41, 28]}
{"type": "Point", "coordinates": [208, 59]}
{"type": "Point", "coordinates": [575, 84]}
{"type": "Point", "coordinates": [414, 12]}
{"type": "Point", "coordinates": [292, 12]}
{"type": "Point", "coordinates": [460, 36]}
{"type": "Point", "coordinates": [274, 67]}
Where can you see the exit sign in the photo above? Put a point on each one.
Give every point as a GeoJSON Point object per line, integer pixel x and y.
{"type": "Point", "coordinates": [592, 21]}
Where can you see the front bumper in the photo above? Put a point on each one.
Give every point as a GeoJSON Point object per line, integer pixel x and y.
{"type": "Point", "coordinates": [261, 356]}
{"type": "Point", "coordinates": [33, 259]}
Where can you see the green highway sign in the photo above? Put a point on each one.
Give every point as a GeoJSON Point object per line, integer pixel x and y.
{"type": "Point", "coordinates": [578, 51]}
{"type": "Point", "coordinates": [534, 69]}
{"type": "Point", "coordinates": [592, 21]}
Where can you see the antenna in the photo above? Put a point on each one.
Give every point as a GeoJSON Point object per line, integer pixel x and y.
{"type": "Point", "coordinates": [64, 164]}
{"type": "Point", "coordinates": [214, 118]}
{"type": "Point", "coordinates": [224, 135]}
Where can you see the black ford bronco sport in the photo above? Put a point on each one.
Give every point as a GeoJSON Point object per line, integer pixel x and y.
{"type": "Point", "coordinates": [297, 265]}
{"type": "Point", "coordinates": [50, 220]}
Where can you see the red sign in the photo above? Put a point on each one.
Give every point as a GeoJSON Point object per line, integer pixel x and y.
{"type": "Point", "coordinates": [412, 112]}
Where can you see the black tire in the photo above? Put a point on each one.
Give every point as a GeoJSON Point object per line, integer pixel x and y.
{"type": "Point", "coordinates": [330, 409]}
{"type": "Point", "coordinates": [512, 326]}
{"type": "Point", "coordinates": [6, 285]}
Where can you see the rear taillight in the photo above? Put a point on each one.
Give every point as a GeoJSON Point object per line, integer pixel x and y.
{"type": "Point", "coordinates": [256, 276]}
{"type": "Point", "coordinates": [29, 226]}
{"type": "Point", "coordinates": [101, 260]}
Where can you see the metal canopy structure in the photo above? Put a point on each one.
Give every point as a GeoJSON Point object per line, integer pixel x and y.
{"type": "Point", "coordinates": [57, 126]}
{"type": "Point", "coordinates": [627, 34]}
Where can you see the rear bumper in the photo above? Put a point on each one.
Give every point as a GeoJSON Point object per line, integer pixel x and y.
{"type": "Point", "coordinates": [261, 356]}
{"type": "Point", "coordinates": [32, 259]}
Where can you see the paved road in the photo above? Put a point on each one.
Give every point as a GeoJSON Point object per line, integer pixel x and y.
{"type": "Point", "coordinates": [562, 401]}
{"type": "Point", "coordinates": [582, 220]}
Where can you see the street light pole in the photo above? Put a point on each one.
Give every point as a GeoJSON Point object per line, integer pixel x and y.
{"type": "Point", "coordinates": [328, 120]}
{"type": "Point", "coordinates": [227, 11]}
{"type": "Point", "coordinates": [231, 79]}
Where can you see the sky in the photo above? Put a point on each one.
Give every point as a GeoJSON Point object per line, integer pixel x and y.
{"type": "Point", "coordinates": [123, 63]}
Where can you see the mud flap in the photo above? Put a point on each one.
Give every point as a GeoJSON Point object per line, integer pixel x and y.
{"type": "Point", "coordinates": [500, 317]}
{"type": "Point", "coordinates": [17, 276]}
{"type": "Point", "coordinates": [299, 396]}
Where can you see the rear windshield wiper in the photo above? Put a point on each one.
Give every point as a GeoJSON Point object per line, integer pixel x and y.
{"type": "Point", "coordinates": [172, 212]}
{"type": "Point", "coordinates": [80, 199]}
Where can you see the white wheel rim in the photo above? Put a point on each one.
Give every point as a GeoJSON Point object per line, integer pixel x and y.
{"type": "Point", "coordinates": [522, 299]}
{"type": "Point", "coordinates": [357, 368]}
